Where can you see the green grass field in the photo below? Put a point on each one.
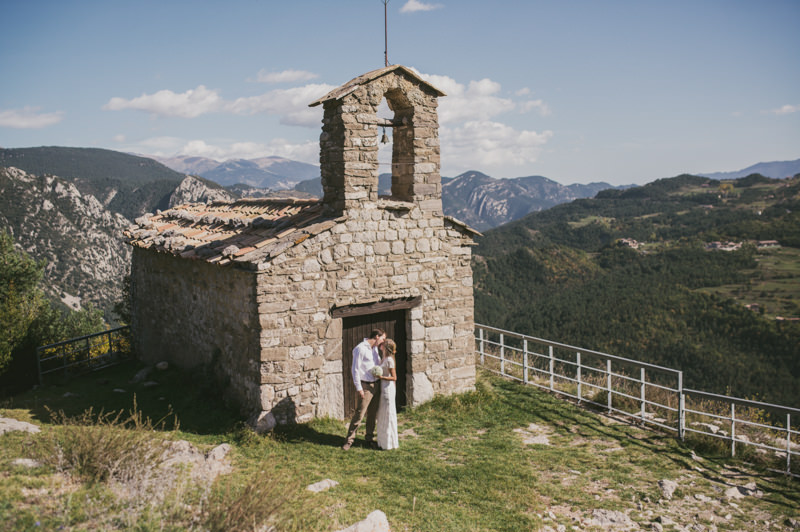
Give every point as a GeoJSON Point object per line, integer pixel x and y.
{"type": "Point", "coordinates": [463, 464]}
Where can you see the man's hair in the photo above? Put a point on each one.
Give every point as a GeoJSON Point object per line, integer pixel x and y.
{"type": "Point", "coordinates": [376, 332]}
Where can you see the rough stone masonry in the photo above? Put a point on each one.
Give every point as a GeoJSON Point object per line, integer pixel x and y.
{"type": "Point", "coordinates": [255, 290]}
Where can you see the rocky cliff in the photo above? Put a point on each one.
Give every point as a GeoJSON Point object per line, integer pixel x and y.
{"type": "Point", "coordinates": [484, 202]}
{"type": "Point", "coordinates": [197, 190]}
{"type": "Point", "coordinates": [74, 233]}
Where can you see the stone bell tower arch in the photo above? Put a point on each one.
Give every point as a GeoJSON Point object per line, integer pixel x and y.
{"type": "Point", "coordinates": [349, 141]}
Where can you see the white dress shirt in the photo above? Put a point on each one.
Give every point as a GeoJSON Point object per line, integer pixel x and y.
{"type": "Point", "coordinates": [364, 358]}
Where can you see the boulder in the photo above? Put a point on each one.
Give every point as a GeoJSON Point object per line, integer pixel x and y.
{"type": "Point", "coordinates": [263, 422]}
{"type": "Point", "coordinates": [12, 425]}
{"type": "Point", "coordinates": [322, 485]}
{"type": "Point", "coordinates": [667, 488]}
{"type": "Point", "coordinates": [375, 522]}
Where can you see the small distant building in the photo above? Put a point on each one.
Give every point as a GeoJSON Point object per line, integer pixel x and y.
{"type": "Point", "coordinates": [629, 242]}
{"type": "Point", "coordinates": [724, 246]}
{"type": "Point", "coordinates": [768, 244]}
{"type": "Point", "coordinates": [272, 295]}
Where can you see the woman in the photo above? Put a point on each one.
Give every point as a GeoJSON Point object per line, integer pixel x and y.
{"type": "Point", "coordinates": [387, 412]}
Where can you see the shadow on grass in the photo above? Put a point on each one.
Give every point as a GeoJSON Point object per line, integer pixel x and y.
{"type": "Point", "coordinates": [189, 398]}
{"type": "Point", "coordinates": [307, 433]}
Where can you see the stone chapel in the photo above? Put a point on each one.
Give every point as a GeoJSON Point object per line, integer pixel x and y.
{"type": "Point", "coordinates": [272, 295]}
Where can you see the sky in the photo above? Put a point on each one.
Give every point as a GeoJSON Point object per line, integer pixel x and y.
{"type": "Point", "coordinates": [619, 91]}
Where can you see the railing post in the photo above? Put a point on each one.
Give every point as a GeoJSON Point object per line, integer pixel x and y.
{"type": "Point", "coordinates": [39, 364]}
{"type": "Point", "coordinates": [642, 393]}
{"type": "Point", "coordinates": [681, 407]}
{"type": "Point", "coordinates": [480, 334]}
{"type": "Point", "coordinates": [552, 368]}
{"type": "Point", "coordinates": [788, 443]}
{"type": "Point", "coordinates": [502, 355]}
{"type": "Point", "coordinates": [525, 361]}
{"type": "Point", "coordinates": [608, 384]}
{"type": "Point", "coordinates": [579, 375]}
{"type": "Point", "coordinates": [733, 429]}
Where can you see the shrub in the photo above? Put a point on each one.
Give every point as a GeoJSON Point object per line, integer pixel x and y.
{"type": "Point", "coordinates": [101, 447]}
{"type": "Point", "coordinates": [253, 505]}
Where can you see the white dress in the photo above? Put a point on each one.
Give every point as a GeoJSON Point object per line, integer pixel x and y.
{"type": "Point", "coordinates": [387, 412]}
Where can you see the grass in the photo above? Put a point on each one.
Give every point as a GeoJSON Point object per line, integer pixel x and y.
{"type": "Point", "coordinates": [463, 464]}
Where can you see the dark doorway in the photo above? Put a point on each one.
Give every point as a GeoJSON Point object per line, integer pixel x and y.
{"type": "Point", "coordinates": [354, 330]}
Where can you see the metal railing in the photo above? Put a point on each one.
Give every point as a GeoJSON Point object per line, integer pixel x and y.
{"type": "Point", "coordinates": [648, 393]}
{"type": "Point", "coordinates": [87, 353]}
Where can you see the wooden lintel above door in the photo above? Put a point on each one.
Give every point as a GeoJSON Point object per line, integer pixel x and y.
{"type": "Point", "coordinates": [373, 308]}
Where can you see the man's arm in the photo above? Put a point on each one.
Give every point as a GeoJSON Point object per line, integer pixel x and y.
{"type": "Point", "coordinates": [355, 368]}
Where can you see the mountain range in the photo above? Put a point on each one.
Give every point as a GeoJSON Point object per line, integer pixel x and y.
{"type": "Point", "coordinates": [264, 172]}
{"type": "Point", "coordinates": [776, 169]}
{"type": "Point", "coordinates": [68, 205]}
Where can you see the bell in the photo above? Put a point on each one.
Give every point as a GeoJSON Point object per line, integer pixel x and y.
{"type": "Point", "coordinates": [384, 138]}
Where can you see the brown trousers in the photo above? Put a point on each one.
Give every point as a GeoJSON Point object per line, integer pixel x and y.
{"type": "Point", "coordinates": [367, 405]}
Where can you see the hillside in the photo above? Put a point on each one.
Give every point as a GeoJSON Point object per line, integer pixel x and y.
{"type": "Point", "coordinates": [124, 184]}
{"type": "Point", "coordinates": [505, 457]}
{"type": "Point", "coordinates": [78, 237]}
{"type": "Point", "coordinates": [567, 273]}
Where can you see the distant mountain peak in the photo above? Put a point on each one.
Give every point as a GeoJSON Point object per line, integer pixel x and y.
{"type": "Point", "coordinates": [774, 169]}
{"type": "Point", "coordinates": [270, 172]}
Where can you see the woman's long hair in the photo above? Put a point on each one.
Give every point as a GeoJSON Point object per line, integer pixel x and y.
{"type": "Point", "coordinates": [390, 347]}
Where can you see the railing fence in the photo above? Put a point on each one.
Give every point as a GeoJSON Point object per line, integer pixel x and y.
{"type": "Point", "coordinates": [650, 394]}
{"type": "Point", "coordinates": [87, 353]}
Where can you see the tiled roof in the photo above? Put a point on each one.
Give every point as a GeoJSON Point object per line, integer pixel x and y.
{"type": "Point", "coordinates": [240, 232]}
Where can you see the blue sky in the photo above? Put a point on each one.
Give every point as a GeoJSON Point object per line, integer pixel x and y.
{"type": "Point", "coordinates": [578, 91]}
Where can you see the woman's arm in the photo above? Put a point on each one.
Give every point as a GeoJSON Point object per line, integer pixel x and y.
{"type": "Point", "coordinates": [391, 377]}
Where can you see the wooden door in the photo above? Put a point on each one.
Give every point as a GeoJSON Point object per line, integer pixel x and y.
{"type": "Point", "coordinates": [354, 330]}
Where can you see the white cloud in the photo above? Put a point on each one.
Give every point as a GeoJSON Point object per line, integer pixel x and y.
{"type": "Point", "coordinates": [476, 101]}
{"type": "Point", "coordinates": [415, 5]}
{"type": "Point", "coordinates": [189, 104]}
{"type": "Point", "coordinates": [304, 151]}
{"type": "Point", "coordinates": [119, 138]}
{"type": "Point", "coordinates": [490, 146]}
{"type": "Point", "coordinates": [786, 109]}
{"type": "Point", "coordinates": [473, 138]}
{"type": "Point", "coordinates": [222, 150]}
{"type": "Point", "coordinates": [29, 118]}
{"type": "Point", "coordinates": [290, 104]}
{"type": "Point", "coordinates": [158, 146]}
{"type": "Point", "coordinates": [285, 76]}
{"type": "Point", "coordinates": [539, 105]}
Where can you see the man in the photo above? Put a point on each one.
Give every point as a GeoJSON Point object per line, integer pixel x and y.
{"type": "Point", "coordinates": [368, 386]}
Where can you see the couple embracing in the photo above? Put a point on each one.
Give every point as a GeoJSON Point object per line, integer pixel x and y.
{"type": "Point", "coordinates": [376, 391]}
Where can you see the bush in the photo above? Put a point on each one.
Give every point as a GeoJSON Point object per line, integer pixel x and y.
{"type": "Point", "coordinates": [250, 506]}
{"type": "Point", "coordinates": [101, 447]}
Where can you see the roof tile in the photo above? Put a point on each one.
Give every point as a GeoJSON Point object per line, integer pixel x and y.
{"type": "Point", "coordinates": [249, 230]}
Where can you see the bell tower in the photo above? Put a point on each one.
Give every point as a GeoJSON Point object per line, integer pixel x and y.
{"type": "Point", "coordinates": [349, 141]}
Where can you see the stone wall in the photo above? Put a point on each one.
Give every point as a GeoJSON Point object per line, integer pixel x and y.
{"type": "Point", "coordinates": [386, 250]}
{"type": "Point", "coordinates": [196, 314]}
{"type": "Point", "coordinates": [271, 331]}
{"type": "Point", "coordinates": [349, 145]}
